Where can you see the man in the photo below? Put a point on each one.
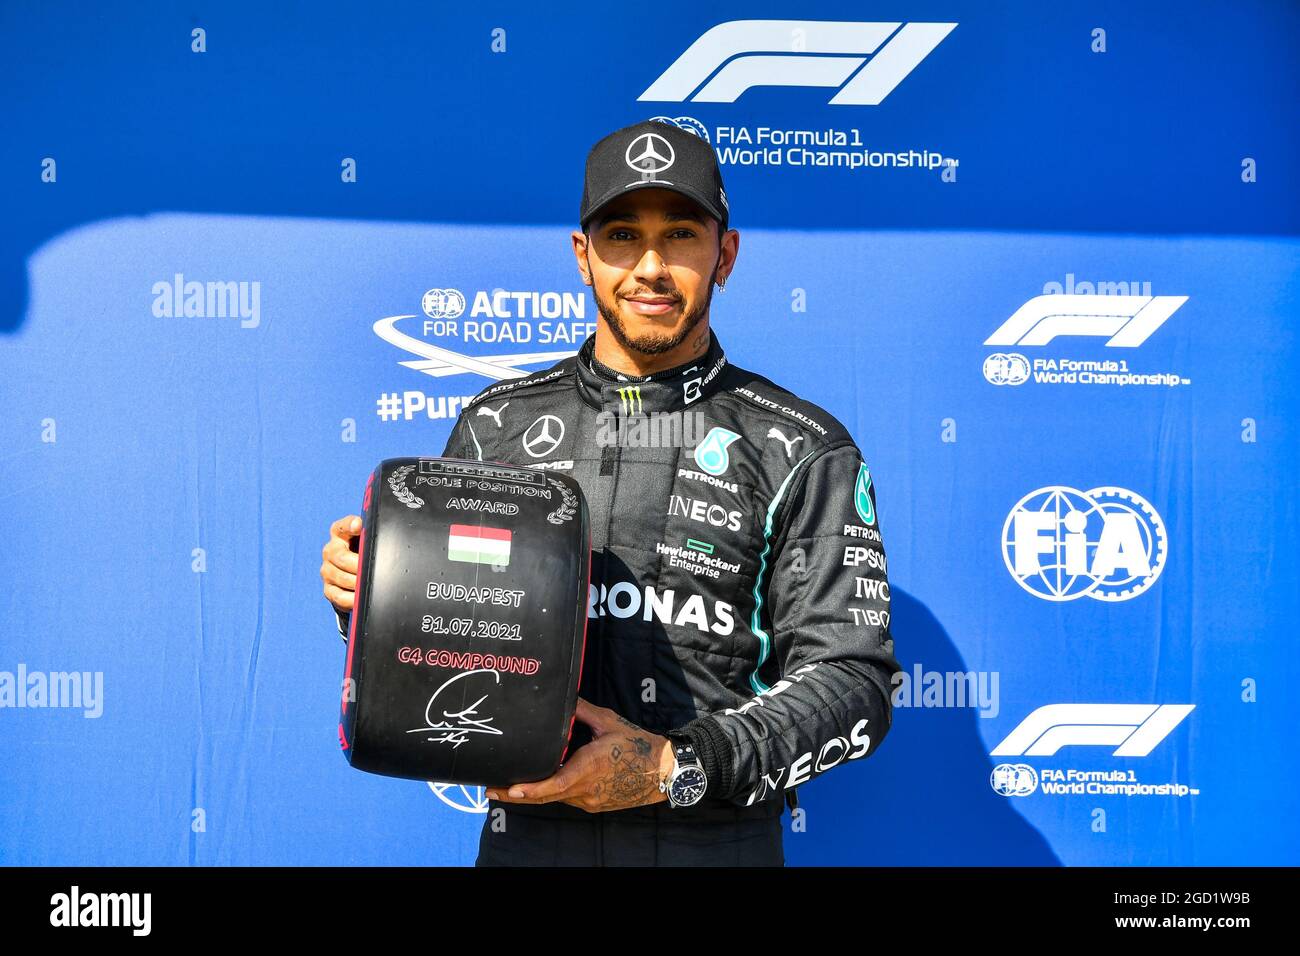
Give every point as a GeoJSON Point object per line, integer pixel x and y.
{"type": "Point", "coordinates": [738, 638]}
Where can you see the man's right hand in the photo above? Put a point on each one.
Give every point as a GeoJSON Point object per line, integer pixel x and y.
{"type": "Point", "coordinates": [339, 569]}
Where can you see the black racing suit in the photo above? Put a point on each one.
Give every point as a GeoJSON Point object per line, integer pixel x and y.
{"type": "Point", "coordinates": [738, 595]}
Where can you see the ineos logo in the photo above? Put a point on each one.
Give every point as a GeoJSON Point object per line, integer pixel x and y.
{"type": "Point", "coordinates": [704, 512]}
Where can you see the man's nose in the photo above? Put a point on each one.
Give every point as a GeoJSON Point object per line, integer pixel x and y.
{"type": "Point", "coordinates": [651, 265]}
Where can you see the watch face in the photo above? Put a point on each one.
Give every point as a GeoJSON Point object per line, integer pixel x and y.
{"type": "Point", "coordinates": [688, 787]}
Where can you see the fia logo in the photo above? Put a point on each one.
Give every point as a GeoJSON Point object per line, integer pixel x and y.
{"type": "Point", "coordinates": [1104, 543]}
{"type": "Point", "coordinates": [1014, 779]}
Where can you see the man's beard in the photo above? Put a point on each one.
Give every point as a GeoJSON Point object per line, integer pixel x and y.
{"type": "Point", "coordinates": [653, 343]}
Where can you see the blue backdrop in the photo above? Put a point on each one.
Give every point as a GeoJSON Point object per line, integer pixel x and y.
{"type": "Point", "coordinates": [1087, 499]}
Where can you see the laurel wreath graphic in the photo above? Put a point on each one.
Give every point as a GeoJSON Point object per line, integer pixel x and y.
{"type": "Point", "coordinates": [568, 505]}
{"type": "Point", "coordinates": [397, 482]}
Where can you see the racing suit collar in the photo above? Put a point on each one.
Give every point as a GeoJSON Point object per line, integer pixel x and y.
{"type": "Point", "coordinates": [670, 390]}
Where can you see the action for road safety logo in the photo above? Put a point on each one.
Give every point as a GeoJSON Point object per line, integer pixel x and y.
{"type": "Point", "coordinates": [449, 342]}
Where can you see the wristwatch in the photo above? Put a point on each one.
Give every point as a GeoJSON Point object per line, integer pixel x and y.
{"type": "Point", "coordinates": [685, 786]}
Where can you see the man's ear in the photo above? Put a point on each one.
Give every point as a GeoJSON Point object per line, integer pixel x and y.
{"type": "Point", "coordinates": [584, 267]}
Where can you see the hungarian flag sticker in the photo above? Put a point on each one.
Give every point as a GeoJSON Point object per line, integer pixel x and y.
{"type": "Point", "coordinates": [478, 545]}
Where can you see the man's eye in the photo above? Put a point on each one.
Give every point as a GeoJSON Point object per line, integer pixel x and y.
{"type": "Point", "coordinates": [621, 234]}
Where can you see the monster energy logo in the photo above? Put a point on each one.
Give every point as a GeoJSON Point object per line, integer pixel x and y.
{"type": "Point", "coordinates": [630, 396]}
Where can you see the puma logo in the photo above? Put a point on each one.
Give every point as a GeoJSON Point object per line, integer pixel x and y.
{"type": "Point", "coordinates": [787, 442]}
{"type": "Point", "coordinates": [484, 410]}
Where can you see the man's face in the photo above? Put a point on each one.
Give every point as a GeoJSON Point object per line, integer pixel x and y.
{"type": "Point", "coordinates": [653, 256]}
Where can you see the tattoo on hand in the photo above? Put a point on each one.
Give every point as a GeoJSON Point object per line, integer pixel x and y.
{"type": "Point", "coordinates": [633, 776]}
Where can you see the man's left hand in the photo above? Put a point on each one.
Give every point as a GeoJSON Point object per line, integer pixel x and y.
{"type": "Point", "coordinates": [620, 768]}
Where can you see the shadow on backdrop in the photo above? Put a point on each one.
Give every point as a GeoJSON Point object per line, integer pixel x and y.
{"type": "Point", "coordinates": [925, 794]}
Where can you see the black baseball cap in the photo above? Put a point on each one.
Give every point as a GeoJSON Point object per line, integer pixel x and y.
{"type": "Point", "coordinates": [653, 154]}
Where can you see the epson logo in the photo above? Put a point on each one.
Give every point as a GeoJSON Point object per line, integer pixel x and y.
{"type": "Point", "coordinates": [855, 556]}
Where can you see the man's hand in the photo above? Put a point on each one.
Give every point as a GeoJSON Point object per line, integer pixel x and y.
{"type": "Point", "coordinates": [620, 768]}
{"type": "Point", "coordinates": [339, 568]}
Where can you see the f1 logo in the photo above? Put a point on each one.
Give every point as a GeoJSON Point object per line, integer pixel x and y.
{"type": "Point", "coordinates": [794, 53]}
{"type": "Point", "coordinates": [1125, 321]}
{"type": "Point", "coordinates": [1134, 729]}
